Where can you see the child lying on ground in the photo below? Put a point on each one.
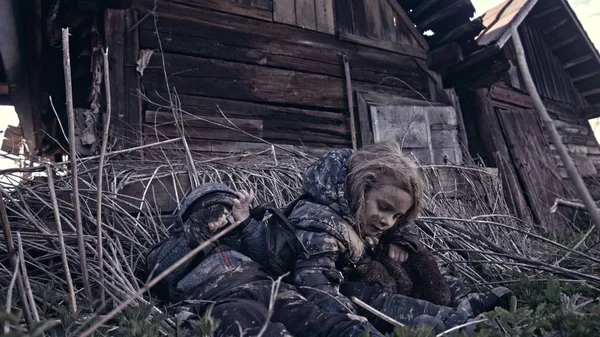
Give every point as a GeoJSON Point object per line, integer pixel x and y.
{"type": "Point", "coordinates": [229, 277]}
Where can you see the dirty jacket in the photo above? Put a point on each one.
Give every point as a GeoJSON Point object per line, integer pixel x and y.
{"type": "Point", "coordinates": [326, 234]}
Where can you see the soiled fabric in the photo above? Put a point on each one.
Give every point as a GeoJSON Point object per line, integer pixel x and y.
{"type": "Point", "coordinates": [333, 250]}
{"type": "Point", "coordinates": [230, 279]}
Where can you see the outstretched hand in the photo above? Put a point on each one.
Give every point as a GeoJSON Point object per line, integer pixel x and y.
{"type": "Point", "coordinates": [239, 212]}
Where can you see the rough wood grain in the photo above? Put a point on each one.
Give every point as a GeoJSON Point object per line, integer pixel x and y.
{"type": "Point", "coordinates": [306, 16]}
{"type": "Point", "coordinates": [284, 11]}
{"type": "Point", "coordinates": [325, 15]}
{"type": "Point", "coordinates": [373, 14]}
{"type": "Point", "coordinates": [535, 165]}
{"type": "Point", "coordinates": [246, 82]}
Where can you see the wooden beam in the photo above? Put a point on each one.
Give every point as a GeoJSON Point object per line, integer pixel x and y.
{"type": "Point", "coordinates": [421, 9]}
{"type": "Point", "coordinates": [546, 12]}
{"type": "Point", "coordinates": [471, 29]}
{"type": "Point", "coordinates": [444, 56]}
{"type": "Point", "coordinates": [586, 76]}
{"type": "Point", "coordinates": [385, 45]}
{"type": "Point", "coordinates": [591, 111]}
{"type": "Point", "coordinates": [577, 61]}
{"type": "Point", "coordinates": [565, 42]}
{"type": "Point", "coordinates": [449, 11]}
{"type": "Point", "coordinates": [591, 92]}
{"type": "Point", "coordinates": [410, 24]}
{"type": "Point", "coordinates": [555, 26]}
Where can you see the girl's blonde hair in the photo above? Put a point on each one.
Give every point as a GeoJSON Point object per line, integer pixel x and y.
{"type": "Point", "coordinates": [377, 164]}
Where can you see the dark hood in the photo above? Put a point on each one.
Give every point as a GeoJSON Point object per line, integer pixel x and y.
{"type": "Point", "coordinates": [325, 181]}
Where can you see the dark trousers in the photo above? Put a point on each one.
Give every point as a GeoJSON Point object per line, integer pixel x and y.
{"type": "Point", "coordinates": [245, 309]}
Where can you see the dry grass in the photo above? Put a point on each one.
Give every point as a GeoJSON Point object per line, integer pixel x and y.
{"type": "Point", "coordinates": [473, 236]}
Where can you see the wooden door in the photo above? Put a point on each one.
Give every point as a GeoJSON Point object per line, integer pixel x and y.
{"type": "Point", "coordinates": [534, 163]}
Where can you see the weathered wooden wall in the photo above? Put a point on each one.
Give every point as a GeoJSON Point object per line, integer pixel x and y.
{"type": "Point", "coordinates": [279, 82]}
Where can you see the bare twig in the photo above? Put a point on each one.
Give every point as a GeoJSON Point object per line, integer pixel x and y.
{"type": "Point", "coordinates": [376, 312]}
{"type": "Point", "coordinates": [272, 300]}
{"type": "Point", "coordinates": [12, 253]}
{"type": "Point", "coordinates": [99, 183]}
{"type": "Point", "coordinates": [458, 327]}
{"type": "Point", "coordinates": [9, 292]}
{"type": "Point", "coordinates": [33, 306]}
{"type": "Point", "coordinates": [61, 240]}
{"type": "Point", "coordinates": [73, 152]}
{"type": "Point", "coordinates": [157, 279]}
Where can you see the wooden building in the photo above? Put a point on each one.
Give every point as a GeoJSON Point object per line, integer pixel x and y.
{"type": "Point", "coordinates": [502, 127]}
{"type": "Point", "coordinates": [247, 71]}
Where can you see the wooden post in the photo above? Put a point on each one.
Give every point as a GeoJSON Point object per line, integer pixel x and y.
{"type": "Point", "coordinates": [574, 175]}
{"type": "Point", "coordinates": [350, 101]}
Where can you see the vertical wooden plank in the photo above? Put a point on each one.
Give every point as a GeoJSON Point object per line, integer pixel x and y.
{"type": "Point", "coordinates": [366, 134]}
{"type": "Point", "coordinates": [133, 103]}
{"type": "Point", "coordinates": [324, 14]}
{"type": "Point", "coordinates": [262, 4]}
{"type": "Point", "coordinates": [359, 17]}
{"type": "Point", "coordinates": [495, 146]}
{"type": "Point", "coordinates": [284, 11]}
{"type": "Point", "coordinates": [388, 22]}
{"type": "Point", "coordinates": [114, 31]}
{"type": "Point", "coordinates": [373, 15]}
{"type": "Point", "coordinates": [343, 16]}
{"type": "Point", "coordinates": [305, 14]}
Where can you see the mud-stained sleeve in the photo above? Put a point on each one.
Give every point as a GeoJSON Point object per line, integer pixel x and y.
{"type": "Point", "coordinates": [316, 275]}
{"type": "Point", "coordinates": [162, 256]}
{"type": "Point", "coordinates": [254, 241]}
{"type": "Point", "coordinates": [405, 235]}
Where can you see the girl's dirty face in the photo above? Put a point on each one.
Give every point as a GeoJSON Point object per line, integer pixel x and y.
{"type": "Point", "coordinates": [384, 206]}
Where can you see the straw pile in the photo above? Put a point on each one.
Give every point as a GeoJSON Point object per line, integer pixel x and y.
{"type": "Point", "coordinates": [473, 235]}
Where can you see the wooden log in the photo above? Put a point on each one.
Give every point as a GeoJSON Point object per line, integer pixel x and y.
{"type": "Point", "coordinates": [246, 82]}
{"type": "Point", "coordinates": [385, 45]}
{"type": "Point", "coordinates": [212, 107]}
{"type": "Point", "coordinates": [444, 56]}
{"type": "Point", "coordinates": [216, 42]}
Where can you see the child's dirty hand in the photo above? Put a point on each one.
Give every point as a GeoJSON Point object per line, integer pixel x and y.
{"type": "Point", "coordinates": [241, 206]}
{"type": "Point", "coordinates": [397, 254]}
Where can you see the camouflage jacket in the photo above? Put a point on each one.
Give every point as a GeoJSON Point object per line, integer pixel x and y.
{"type": "Point", "coordinates": [326, 234]}
{"type": "Point", "coordinates": [236, 260]}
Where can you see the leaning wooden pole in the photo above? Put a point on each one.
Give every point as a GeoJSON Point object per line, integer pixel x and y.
{"type": "Point", "coordinates": [73, 152]}
{"type": "Point", "coordinates": [574, 175]}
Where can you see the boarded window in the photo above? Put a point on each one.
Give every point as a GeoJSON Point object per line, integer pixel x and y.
{"type": "Point", "coordinates": [429, 133]}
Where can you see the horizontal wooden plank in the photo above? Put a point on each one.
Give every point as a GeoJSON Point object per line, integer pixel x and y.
{"type": "Point", "coordinates": [159, 118]}
{"type": "Point", "coordinates": [245, 82]}
{"type": "Point", "coordinates": [219, 5]}
{"type": "Point", "coordinates": [212, 107]}
{"type": "Point", "coordinates": [220, 43]}
{"type": "Point", "coordinates": [385, 45]}
{"type": "Point", "coordinates": [170, 131]}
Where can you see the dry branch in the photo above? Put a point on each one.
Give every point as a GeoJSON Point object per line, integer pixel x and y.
{"type": "Point", "coordinates": [73, 154]}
